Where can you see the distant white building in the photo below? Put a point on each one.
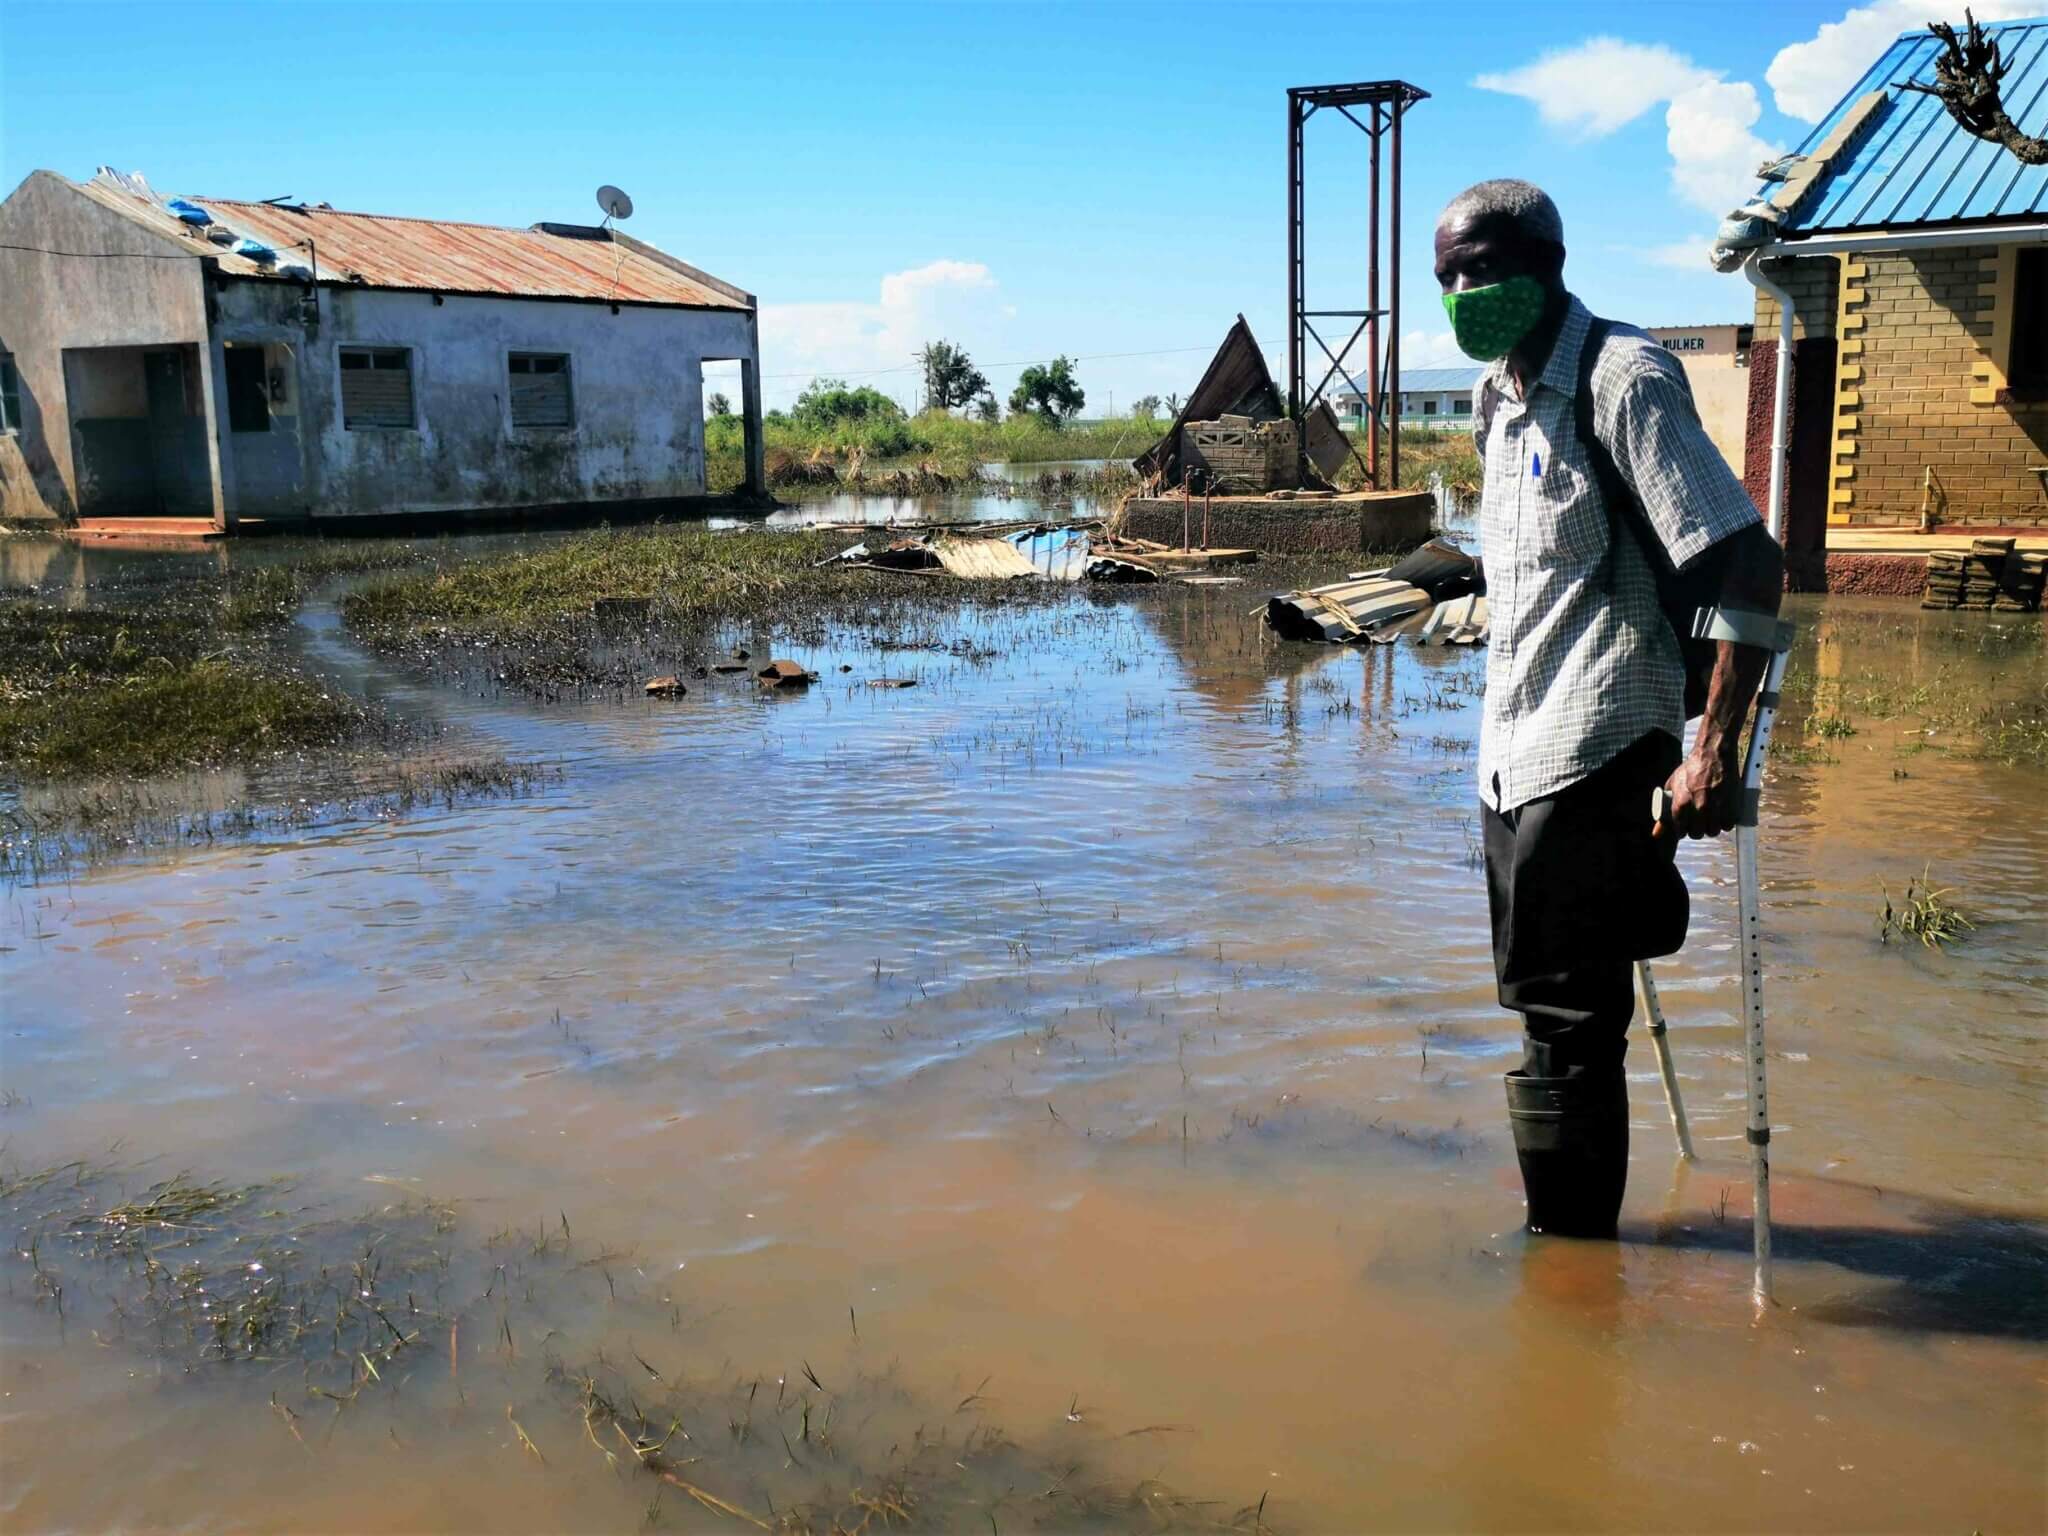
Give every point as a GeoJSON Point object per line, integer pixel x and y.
{"type": "Point", "coordinates": [1429, 397]}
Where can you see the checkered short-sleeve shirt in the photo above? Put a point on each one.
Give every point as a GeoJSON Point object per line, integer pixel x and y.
{"type": "Point", "coordinates": [1575, 671]}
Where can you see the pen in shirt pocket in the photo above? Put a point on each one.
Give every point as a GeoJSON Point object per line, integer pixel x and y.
{"type": "Point", "coordinates": [1536, 464]}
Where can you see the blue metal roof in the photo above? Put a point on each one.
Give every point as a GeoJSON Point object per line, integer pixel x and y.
{"type": "Point", "coordinates": [1916, 165]}
{"type": "Point", "coordinates": [1419, 380]}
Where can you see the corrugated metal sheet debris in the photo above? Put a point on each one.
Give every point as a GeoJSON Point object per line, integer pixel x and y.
{"type": "Point", "coordinates": [1916, 165]}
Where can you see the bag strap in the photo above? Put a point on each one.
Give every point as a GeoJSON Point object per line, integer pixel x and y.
{"type": "Point", "coordinates": [1615, 493]}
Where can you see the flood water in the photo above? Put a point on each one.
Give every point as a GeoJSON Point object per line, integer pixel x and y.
{"type": "Point", "coordinates": [1009, 495]}
{"type": "Point", "coordinates": [1096, 1040]}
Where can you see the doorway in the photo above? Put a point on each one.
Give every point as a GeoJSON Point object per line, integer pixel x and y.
{"type": "Point", "coordinates": [138, 431]}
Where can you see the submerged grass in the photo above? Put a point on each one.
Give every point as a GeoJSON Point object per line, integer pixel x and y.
{"type": "Point", "coordinates": [150, 687]}
{"type": "Point", "coordinates": [1924, 912]}
{"type": "Point", "coordinates": [1970, 687]}
{"type": "Point", "coordinates": [407, 1314]}
{"type": "Point", "coordinates": [118, 699]}
{"type": "Point", "coordinates": [688, 572]}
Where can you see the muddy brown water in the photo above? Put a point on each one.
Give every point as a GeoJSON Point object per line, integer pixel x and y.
{"type": "Point", "coordinates": [1095, 1040]}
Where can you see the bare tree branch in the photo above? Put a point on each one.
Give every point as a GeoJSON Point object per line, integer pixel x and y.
{"type": "Point", "coordinates": [1966, 80]}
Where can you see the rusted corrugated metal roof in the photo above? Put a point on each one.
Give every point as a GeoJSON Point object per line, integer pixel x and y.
{"type": "Point", "coordinates": [549, 261]}
{"type": "Point", "coordinates": [556, 261]}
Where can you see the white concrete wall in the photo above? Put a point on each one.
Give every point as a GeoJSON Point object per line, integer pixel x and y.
{"type": "Point", "coordinates": [636, 378]}
{"type": "Point", "coordinates": [138, 290]}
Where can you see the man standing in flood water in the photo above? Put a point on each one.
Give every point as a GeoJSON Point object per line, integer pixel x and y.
{"type": "Point", "coordinates": [1585, 687]}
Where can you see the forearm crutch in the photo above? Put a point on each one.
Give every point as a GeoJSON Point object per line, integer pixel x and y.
{"type": "Point", "coordinates": [1775, 636]}
{"type": "Point", "coordinates": [1646, 984]}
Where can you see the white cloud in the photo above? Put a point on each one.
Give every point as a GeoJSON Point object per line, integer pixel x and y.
{"type": "Point", "coordinates": [1603, 84]}
{"type": "Point", "coordinates": [1714, 156]}
{"type": "Point", "coordinates": [1682, 255]}
{"type": "Point", "coordinates": [1808, 78]}
{"type": "Point", "coordinates": [1430, 349]}
{"type": "Point", "coordinates": [956, 300]}
{"type": "Point", "coordinates": [1599, 85]}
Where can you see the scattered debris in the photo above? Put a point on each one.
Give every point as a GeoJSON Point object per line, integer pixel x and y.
{"type": "Point", "coordinates": [669, 687]}
{"type": "Point", "coordinates": [785, 674]}
{"type": "Point", "coordinates": [983, 559]}
{"type": "Point", "coordinates": [1345, 611]}
{"type": "Point", "coordinates": [1456, 621]}
{"type": "Point", "coordinates": [1237, 393]}
{"type": "Point", "coordinates": [1236, 453]}
{"type": "Point", "coordinates": [1437, 580]}
{"type": "Point", "coordinates": [1114, 568]}
{"type": "Point", "coordinates": [892, 682]}
{"type": "Point", "coordinates": [1153, 553]}
{"type": "Point", "coordinates": [729, 666]}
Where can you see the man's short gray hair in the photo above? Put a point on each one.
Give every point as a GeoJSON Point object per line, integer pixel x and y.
{"type": "Point", "coordinates": [1524, 203]}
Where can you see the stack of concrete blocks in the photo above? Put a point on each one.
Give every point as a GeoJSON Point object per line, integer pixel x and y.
{"type": "Point", "coordinates": [1239, 456]}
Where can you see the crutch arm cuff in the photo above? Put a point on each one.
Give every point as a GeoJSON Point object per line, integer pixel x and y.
{"type": "Point", "coordinates": [1743, 626]}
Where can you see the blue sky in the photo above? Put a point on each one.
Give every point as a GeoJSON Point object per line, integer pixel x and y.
{"type": "Point", "coordinates": [1024, 179]}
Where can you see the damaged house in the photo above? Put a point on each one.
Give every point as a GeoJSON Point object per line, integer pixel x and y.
{"type": "Point", "coordinates": [1902, 255]}
{"type": "Point", "coordinates": [219, 363]}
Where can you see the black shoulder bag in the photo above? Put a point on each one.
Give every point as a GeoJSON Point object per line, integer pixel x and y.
{"type": "Point", "coordinates": [1681, 594]}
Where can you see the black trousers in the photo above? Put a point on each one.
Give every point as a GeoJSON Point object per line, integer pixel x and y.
{"type": "Point", "coordinates": [1579, 891]}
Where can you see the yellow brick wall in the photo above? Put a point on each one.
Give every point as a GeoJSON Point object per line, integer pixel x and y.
{"type": "Point", "coordinates": [1811, 282]}
{"type": "Point", "coordinates": [1917, 389]}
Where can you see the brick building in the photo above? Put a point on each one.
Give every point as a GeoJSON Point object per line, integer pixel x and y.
{"type": "Point", "coordinates": [1916, 257]}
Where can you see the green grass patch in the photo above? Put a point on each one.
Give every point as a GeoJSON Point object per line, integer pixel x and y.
{"type": "Point", "coordinates": [177, 715]}
{"type": "Point", "coordinates": [687, 572]}
{"type": "Point", "coordinates": [1426, 458]}
{"type": "Point", "coordinates": [951, 444]}
{"type": "Point", "coordinates": [149, 686]}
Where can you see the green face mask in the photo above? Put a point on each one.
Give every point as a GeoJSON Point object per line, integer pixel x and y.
{"type": "Point", "coordinates": [1489, 321]}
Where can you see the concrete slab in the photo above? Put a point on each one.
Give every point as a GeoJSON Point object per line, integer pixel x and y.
{"type": "Point", "coordinates": [141, 530]}
{"type": "Point", "coordinates": [1907, 541]}
{"type": "Point", "coordinates": [1357, 520]}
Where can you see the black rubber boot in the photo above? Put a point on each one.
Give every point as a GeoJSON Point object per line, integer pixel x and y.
{"type": "Point", "coordinates": [1571, 1137]}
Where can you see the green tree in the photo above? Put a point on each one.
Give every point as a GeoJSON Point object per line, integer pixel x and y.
{"type": "Point", "coordinates": [1050, 390]}
{"type": "Point", "coordinates": [1145, 407]}
{"type": "Point", "coordinates": [828, 403]}
{"type": "Point", "coordinates": [986, 407]}
{"type": "Point", "coordinates": [718, 405]}
{"type": "Point", "coordinates": [1173, 403]}
{"type": "Point", "coordinates": [950, 377]}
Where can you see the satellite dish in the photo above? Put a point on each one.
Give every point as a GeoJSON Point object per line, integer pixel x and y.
{"type": "Point", "coordinates": [616, 204]}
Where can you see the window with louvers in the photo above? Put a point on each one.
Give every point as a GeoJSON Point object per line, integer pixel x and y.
{"type": "Point", "coordinates": [376, 387]}
{"type": "Point", "coordinates": [540, 390]}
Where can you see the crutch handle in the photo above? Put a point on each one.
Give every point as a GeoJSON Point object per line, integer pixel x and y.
{"type": "Point", "coordinates": [1660, 810]}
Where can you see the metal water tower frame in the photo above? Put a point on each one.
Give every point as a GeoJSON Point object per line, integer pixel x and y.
{"type": "Point", "coordinates": [1385, 102]}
